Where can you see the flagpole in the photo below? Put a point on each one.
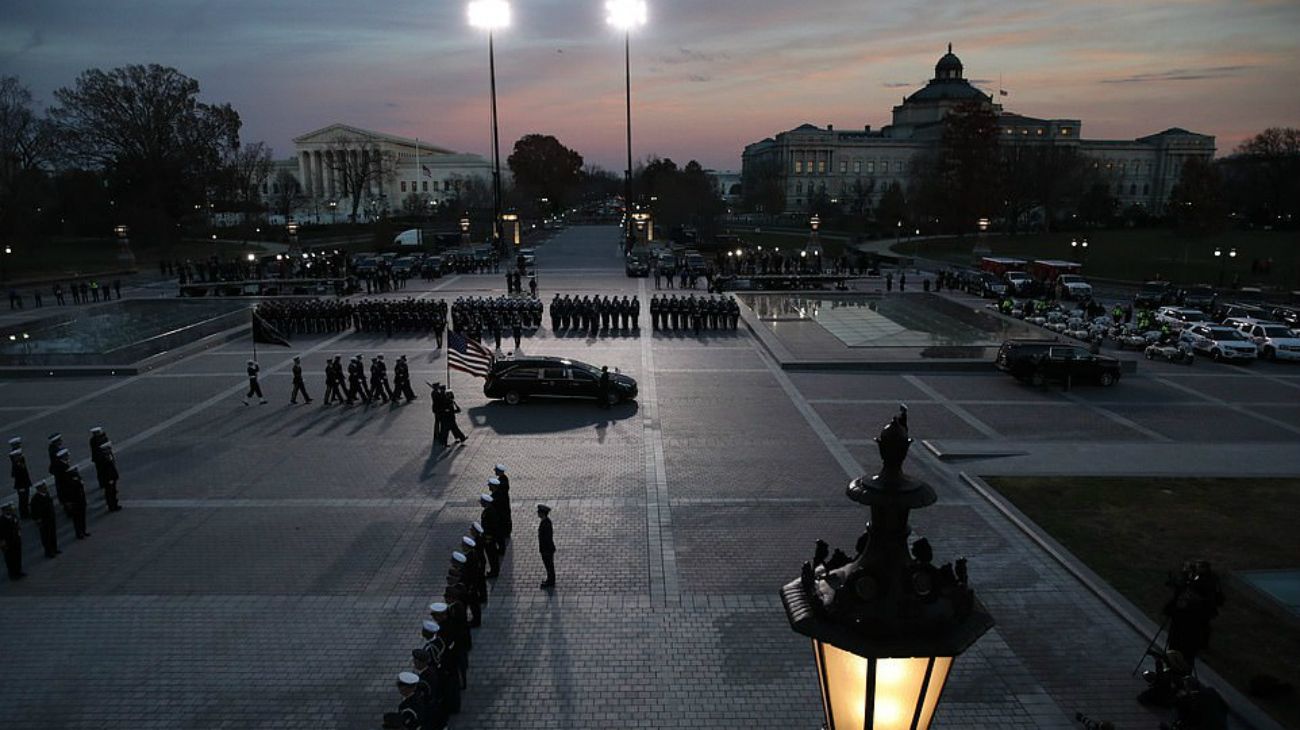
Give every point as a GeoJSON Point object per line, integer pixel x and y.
{"type": "Point", "coordinates": [252, 320]}
{"type": "Point", "coordinates": [419, 177]}
{"type": "Point", "coordinates": [445, 353]}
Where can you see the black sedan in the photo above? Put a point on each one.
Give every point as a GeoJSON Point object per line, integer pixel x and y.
{"type": "Point", "coordinates": [553, 377]}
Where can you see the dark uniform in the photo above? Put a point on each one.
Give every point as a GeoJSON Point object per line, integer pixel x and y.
{"type": "Point", "coordinates": [501, 501]}
{"type": "Point", "coordinates": [11, 542]}
{"type": "Point", "coordinates": [604, 388]}
{"type": "Point", "coordinates": [71, 491]}
{"type": "Point", "coordinates": [449, 411]}
{"type": "Point", "coordinates": [298, 385]}
{"type": "Point", "coordinates": [106, 474]}
{"type": "Point", "coordinates": [491, 521]}
{"type": "Point", "coordinates": [357, 380]}
{"type": "Point", "coordinates": [254, 388]}
{"type": "Point", "coordinates": [546, 544]}
{"type": "Point", "coordinates": [22, 477]}
{"type": "Point", "coordinates": [402, 380]}
{"type": "Point", "coordinates": [43, 514]}
{"type": "Point", "coordinates": [379, 380]}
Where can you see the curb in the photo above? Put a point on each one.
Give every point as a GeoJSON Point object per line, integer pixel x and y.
{"type": "Point", "coordinates": [1239, 706]}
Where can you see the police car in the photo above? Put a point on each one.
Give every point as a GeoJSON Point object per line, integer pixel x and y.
{"type": "Point", "coordinates": [1274, 340]}
{"type": "Point", "coordinates": [1220, 343]}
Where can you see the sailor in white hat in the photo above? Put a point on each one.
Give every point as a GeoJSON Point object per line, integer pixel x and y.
{"type": "Point", "coordinates": [500, 491]}
{"type": "Point", "coordinates": [52, 445]}
{"type": "Point", "coordinates": [414, 710]}
{"type": "Point", "coordinates": [107, 475]}
{"type": "Point", "coordinates": [254, 388]}
{"type": "Point", "coordinates": [22, 476]}
{"type": "Point", "coordinates": [97, 437]}
{"type": "Point", "coordinates": [490, 519]}
{"type": "Point", "coordinates": [71, 491]}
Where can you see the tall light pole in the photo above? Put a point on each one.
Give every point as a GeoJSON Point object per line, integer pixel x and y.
{"type": "Point", "coordinates": [492, 15]}
{"type": "Point", "coordinates": [627, 15]}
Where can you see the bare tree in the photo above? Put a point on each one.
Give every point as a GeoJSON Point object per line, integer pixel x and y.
{"type": "Point", "coordinates": [248, 169]}
{"type": "Point", "coordinates": [25, 140]}
{"type": "Point", "coordinates": [357, 167]}
{"type": "Point", "coordinates": [144, 126]}
{"type": "Point", "coordinates": [288, 193]}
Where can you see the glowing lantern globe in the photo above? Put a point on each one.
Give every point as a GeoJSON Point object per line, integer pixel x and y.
{"type": "Point", "coordinates": [887, 623]}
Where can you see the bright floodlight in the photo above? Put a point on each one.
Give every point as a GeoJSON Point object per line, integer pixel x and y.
{"type": "Point", "coordinates": [626, 14]}
{"type": "Point", "coordinates": [489, 14]}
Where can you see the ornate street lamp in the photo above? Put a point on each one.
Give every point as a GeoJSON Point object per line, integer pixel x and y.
{"type": "Point", "coordinates": [886, 625]}
{"type": "Point", "coordinates": [627, 15]}
{"type": "Point", "coordinates": [493, 15]}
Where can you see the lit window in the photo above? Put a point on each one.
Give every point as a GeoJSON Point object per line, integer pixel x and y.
{"type": "Point", "coordinates": [857, 165]}
{"type": "Point", "coordinates": [871, 167]}
{"type": "Point", "coordinates": [1040, 131]}
{"type": "Point", "coordinates": [821, 167]}
{"type": "Point", "coordinates": [1024, 132]}
{"type": "Point", "coordinates": [798, 167]}
{"type": "Point", "coordinates": [844, 166]}
{"type": "Point", "coordinates": [1065, 131]}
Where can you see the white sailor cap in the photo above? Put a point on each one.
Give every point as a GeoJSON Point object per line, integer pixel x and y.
{"type": "Point", "coordinates": [432, 626]}
{"type": "Point", "coordinates": [55, 437]}
{"type": "Point", "coordinates": [478, 526]}
{"type": "Point", "coordinates": [408, 679]}
{"type": "Point", "coordinates": [485, 498]}
{"type": "Point", "coordinates": [250, 362]}
{"type": "Point", "coordinates": [494, 482]}
{"type": "Point", "coordinates": [61, 453]}
{"type": "Point", "coordinates": [501, 468]}
{"type": "Point", "coordinates": [380, 356]}
{"type": "Point", "coordinates": [469, 542]}
{"type": "Point", "coordinates": [438, 607]}
{"type": "Point", "coordinates": [97, 429]}
{"type": "Point", "coordinates": [459, 557]}
{"type": "Point", "coordinates": [16, 441]}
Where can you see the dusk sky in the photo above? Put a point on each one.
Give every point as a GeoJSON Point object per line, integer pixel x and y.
{"type": "Point", "coordinates": [709, 76]}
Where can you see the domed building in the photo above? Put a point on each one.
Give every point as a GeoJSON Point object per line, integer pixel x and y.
{"type": "Point", "coordinates": [813, 160]}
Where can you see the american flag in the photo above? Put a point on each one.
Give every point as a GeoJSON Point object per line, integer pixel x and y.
{"type": "Point", "coordinates": [468, 356]}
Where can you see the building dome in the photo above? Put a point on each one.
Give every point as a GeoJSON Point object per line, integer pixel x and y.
{"type": "Point", "coordinates": [949, 67]}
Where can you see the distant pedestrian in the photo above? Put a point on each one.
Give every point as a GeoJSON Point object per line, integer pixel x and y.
{"type": "Point", "coordinates": [36, 297]}
{"type": "Point", "coordinates": [889, 281]}
{"type": "Point", "coordinates": [117, 287]}
{"type": "Point", "coordinates": [106, 473]}
{"type": "Point", "coordinates": [546, 544]}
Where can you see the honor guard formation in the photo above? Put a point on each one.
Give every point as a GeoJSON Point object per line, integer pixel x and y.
{"type": "Point", "coordinates": [431, 690]}
{"type": "Point", "coordinates": [69, 490]}
{"type": "Point", "coordinates": [594, 315]}
{"type": "Point", "coordinates": [671, 312]}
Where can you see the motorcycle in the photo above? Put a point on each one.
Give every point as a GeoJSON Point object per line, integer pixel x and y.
{"type": "Point", "coordinates": [1170, 352]}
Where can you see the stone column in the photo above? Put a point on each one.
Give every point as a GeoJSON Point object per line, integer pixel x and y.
{"type": "Point", "coordinates": [304, 173]}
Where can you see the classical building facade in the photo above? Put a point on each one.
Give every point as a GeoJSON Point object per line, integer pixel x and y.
{"type": "Point", "coordinates": [810, 160]}
{"type": "Point", "coordinates": [389, 168]}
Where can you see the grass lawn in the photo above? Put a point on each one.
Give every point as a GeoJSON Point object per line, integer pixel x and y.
{"type": "Point", "coordinates": [1141, 254]}
{"type": "Point", "coordinates": [1132, 532]}
{"type": "Point", "coordinates": [70, 257]}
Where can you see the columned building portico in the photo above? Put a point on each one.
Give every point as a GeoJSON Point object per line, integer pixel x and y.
{"type": "Point", "coordinates": [388, 168]}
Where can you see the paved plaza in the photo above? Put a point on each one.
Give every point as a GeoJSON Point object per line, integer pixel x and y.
{"type": "Point", "coordinates": [273, 563]}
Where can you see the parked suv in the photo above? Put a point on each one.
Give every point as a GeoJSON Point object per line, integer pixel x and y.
{"type": "Point", "coordinates": [1153, 294]}
{"type": "Point", "coordinates": [1040, 361]}
{"type": "Point", "coordinates": [1221, 343]}
{"type": "Point", "coordinates": [1274, 340]}
{"type": "Point", "coordinates": [552, 377]}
